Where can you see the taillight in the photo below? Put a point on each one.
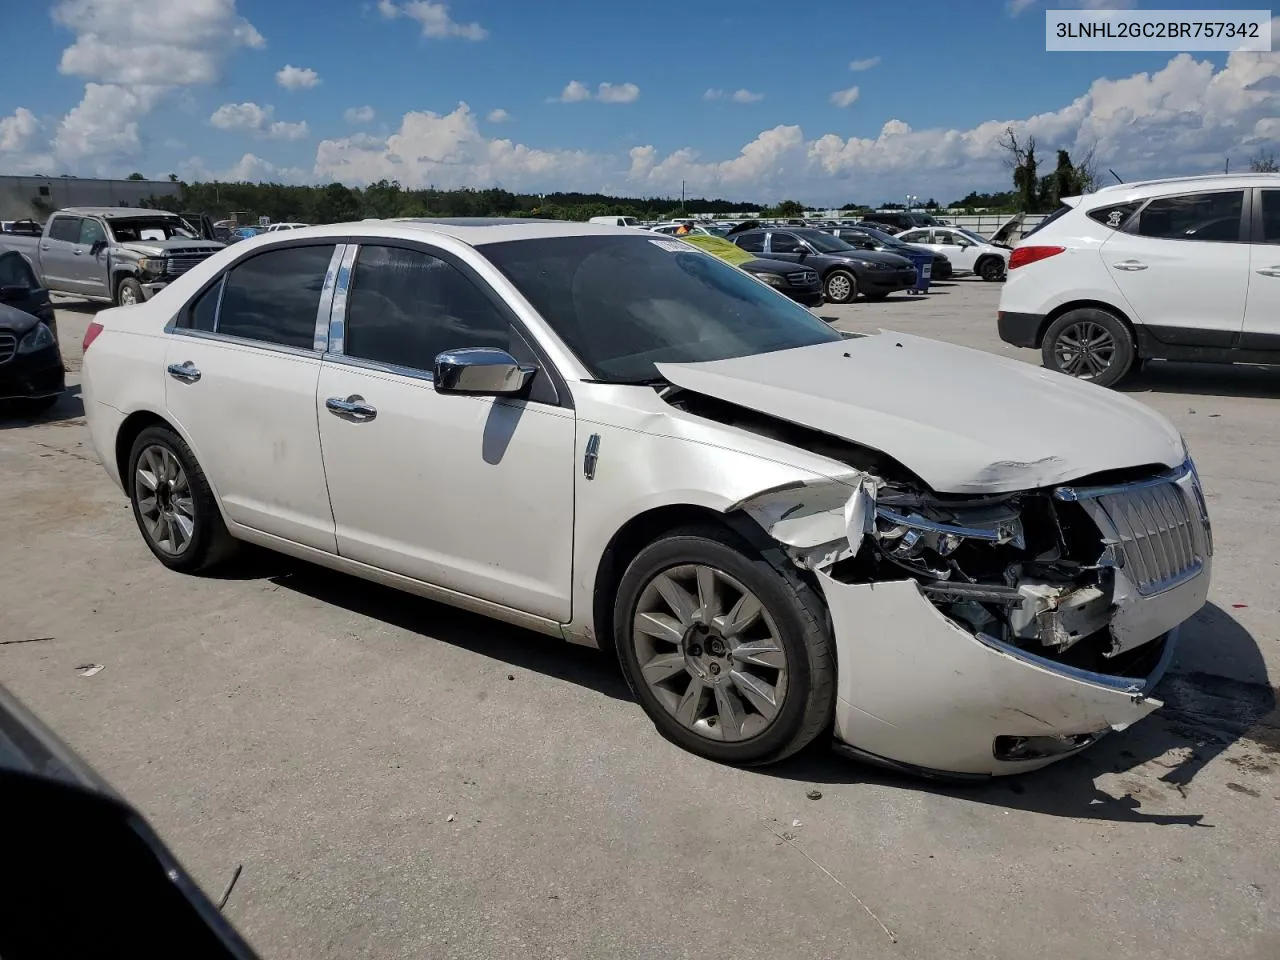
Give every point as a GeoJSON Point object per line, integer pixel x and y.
{"type": "Point", "coordinates": [1021, 256]}
{"type": "Point", "coordinates": [90, 335]}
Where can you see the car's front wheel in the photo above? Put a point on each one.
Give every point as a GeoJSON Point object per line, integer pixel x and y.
{"type": "Point", "coordinates": [730, 657]}
{"type": "Point", "coordinates": [841, 287]}
{"type": "Point", "coordinates": [1089, 344]}
{"type": "Point", "coordinates": [173, 504]}
{"type": "Point", "coordinates": [129, 293]}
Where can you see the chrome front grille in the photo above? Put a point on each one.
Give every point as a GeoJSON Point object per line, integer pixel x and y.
{"type": "Point", "coordinates": [8, 346]}
{"type": "Point", "coordinates": [802, 278]}
{"type": "Point", "coordinates": [1157, 530]}
{"type": "Point", "coordinates": [179, 265]}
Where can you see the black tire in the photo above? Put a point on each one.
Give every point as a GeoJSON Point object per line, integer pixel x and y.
{"type": "Point", "coordinates": [844, 292]}
{"type": "Point", "coordinates": [990, 269]}
{"type": "Point", "coordinates": [134, 291]}
{"type": "Point", "coordinates": [209, 543]}
{"type": "Point", "coordinates": [797, 614]}
{"type": "Point", "coordinates": [1110, 357]}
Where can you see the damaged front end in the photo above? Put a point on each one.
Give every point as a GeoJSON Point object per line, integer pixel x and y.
{"type": "Point", "coordinates": [992, 634]}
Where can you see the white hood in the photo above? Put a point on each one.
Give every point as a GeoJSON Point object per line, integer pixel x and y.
{"type": "Point", "coordinates": [964, 421]}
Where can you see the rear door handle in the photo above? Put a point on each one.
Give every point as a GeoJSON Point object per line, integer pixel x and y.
{"type": "Point", "coordinates": [1130, 265]}
{"type": "Point", "coordinates": [352, 408]}
{"type": "Point", "coordinates": [1270, 271]}
{"type": "Point", "coordinates": [186, 372]}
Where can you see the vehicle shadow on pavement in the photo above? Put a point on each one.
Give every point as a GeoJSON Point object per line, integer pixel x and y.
{"type": "Point", "coordinates": [481, 635]}
{"type": "Point", "coordinates": [14, 414]}
{"type": "Point", "coordinates": [88, 307]}
{"type": "Point", "coordinates": [1204, 379]}
{"type": "Point", "coordinates": [1157, 759]}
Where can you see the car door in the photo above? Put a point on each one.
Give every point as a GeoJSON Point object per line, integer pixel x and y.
{"type": "Point", "coordinates": [89, 259]}
{"type": "Point", "coordinates": [242, 368]}
{"type": "Point", "coordinates": [19, 288]}
{"type": "Point", "coordinates": [785, 246]}
{"type": "Point", "coordinates": [1261, 330]}
{"type": "Point", "coordinates": [470, 493]}
{"type": "Point", "coordinates": [1182, 266]}
{"type": "Point", "coordinates": [961, 251]}
{"type": "Point", "coordinates": [57, 248]}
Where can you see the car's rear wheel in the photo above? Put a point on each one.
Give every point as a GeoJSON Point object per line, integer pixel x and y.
{"type": "Point", "coordinates": [1089, 344]}
{"type": "Point", "coordinates": [173, 505]}
{"type": "Point", "coordinates": [841, 287]}
{"type": "Point", "coordinates": [730, 657]}
{"type": "Point", "coordinates": [129, 292]}
{"type": "Point", "coordinates": [991, 269]}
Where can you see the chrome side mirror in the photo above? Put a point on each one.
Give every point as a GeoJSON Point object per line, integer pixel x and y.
{"type": "Point", "coordinates": [481, 371]}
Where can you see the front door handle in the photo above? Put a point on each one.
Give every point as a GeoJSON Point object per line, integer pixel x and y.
{"type": "Point", "coordinates": [1130, 265]}
{"type": "Point", "coordinates": [353, 407]}
{"type": "Point", "coordinates": [186, 372]}
{"type": "Point", "coordinates": [1270, 271]}
{"type": "Point", "coordinates": [77, 252]}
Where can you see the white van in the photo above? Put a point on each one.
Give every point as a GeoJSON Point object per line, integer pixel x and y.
{"type": "Point", "coordinates": [616, 221]}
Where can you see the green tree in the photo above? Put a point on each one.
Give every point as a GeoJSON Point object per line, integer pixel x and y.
{"type": "Point", "coordinates": [335, 204]}
{"type": "Point", "coordinates": [135, 176]}
{"type": "Point", "coordinates": [1264, 162]}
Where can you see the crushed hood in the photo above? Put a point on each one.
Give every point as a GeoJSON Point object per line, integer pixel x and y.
{"type": "Point", "coordinates": [962, 420]}
{"type": "Point", "coordinates": [178, 245]}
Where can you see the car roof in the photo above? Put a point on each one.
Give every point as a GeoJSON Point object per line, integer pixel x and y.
{"type": "Point", "coordinates": [473, 231]}
{"type": "Point", "coordinates": [1142, 189]}
{"type": "Point", "coordinates": [113, 213]}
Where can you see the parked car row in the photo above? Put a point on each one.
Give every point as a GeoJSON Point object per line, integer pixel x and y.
{"type": "Point", "coordinates": [1178, 269]}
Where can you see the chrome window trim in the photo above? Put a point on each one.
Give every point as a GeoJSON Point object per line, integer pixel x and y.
{"type": "Point", "coordinates": [245, 342]}
{"type": "Point", "coordinates": [338, 313]}
{"type": "Point", "coordinates": [320, 341]}
{"type": "Point", "coordinates": [412, 373]}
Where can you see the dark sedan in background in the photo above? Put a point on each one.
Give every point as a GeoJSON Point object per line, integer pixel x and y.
{"type": "Point", "coordinates": [30, 362]}
{"type": "Point", "coordinates": [868, 238]}
{"type": "Point", "coordinates": [845, 270]}
{"type": "Point", "coordinates": [800, 283]}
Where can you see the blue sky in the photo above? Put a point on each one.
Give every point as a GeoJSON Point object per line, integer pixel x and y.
{"type": "Point", "coordinates": [194, 87]}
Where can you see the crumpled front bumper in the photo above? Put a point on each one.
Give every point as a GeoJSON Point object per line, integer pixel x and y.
{"type": "Point", "coordinates": [916, 690]}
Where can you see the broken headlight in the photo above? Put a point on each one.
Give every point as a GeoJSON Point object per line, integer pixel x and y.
{"type": "Point", "coordinates": [924, 535]}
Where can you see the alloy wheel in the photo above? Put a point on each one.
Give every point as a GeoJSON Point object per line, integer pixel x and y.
{"type": "Point", "coordinates": [839, 286]}
{"type": "Point", "coordinates": [709, 652]}
{"type": "Point", "coordinates": [127, 299]}
{"type": "Point", "coordinates": [164, 499]}
{"type": "Point", "coordinates": [1085, 350]}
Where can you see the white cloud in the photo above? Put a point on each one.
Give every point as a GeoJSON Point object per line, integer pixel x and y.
{"type": "Point", "coordinates": [618, 93]}
{"type": "Point", "coordinates": [449, 151]}
{"type": "Point", "coordinates": [18, 130]}
{"type": "Point", "coordinates": [248, 169]}
{"type": "Point", "coordinates": [297, 78]}
{"type": "Point", "coordinates": [857, 66]}
{"type": "Point", "coordinates": [157, 44]}
{"type": "Point", "coordinates": [498, 116]}
{"type": "Point", "coordinates": [575, 92]}
{"type": "Point", "coordinates": [738, 96]}
{"type": "Point", "coordinates": [358, 114]}
{"type": "Point", "coordinates": [845, 98]}
{"type": "Point", "coordinates": [258, 120]}
{"type": "Point", "coordinates": [433, 18]}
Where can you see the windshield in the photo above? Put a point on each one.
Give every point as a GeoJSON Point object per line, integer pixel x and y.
{"type": "Point", "coordinates": [884, 238]}
{"type": "Point", "coordinates": [972, 236]}
{"type": "Point", "coordinates": [624, 304]}
{"type": "Point", "coordinates": [825, 242]}
{"type": "Point", "coordinates": [160, 228]}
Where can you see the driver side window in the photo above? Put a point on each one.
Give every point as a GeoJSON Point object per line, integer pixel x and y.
{"type": "Point", "coordinates": [91, 231]}
{"type": "Point", "coordinates": [783, 243]}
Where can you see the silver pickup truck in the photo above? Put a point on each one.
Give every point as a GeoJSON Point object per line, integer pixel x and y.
{"type": "Point", "coordinates": [119, 255]}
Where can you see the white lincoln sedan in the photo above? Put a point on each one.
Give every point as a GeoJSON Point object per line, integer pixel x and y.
{"type": "Point", "coordinates": [941, 559]}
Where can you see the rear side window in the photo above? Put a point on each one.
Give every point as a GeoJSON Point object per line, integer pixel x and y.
{"type": "Point", "coordinates": [203, 314]}
{"type": "Point", "coordinates": [273, 297]}
{"type": "Point", "coordinates": [65, 228]}
{"type": "Point", "coordinates": [1114, 215]}
{"type": "Point", "coordinates": [752, 242]}
{"type": "Point", "coordinates": [1271, 216]}
{"type": "Point", "coordinates": [1212, 217]}
{"type": "Point", "coordinates": [406, 307]}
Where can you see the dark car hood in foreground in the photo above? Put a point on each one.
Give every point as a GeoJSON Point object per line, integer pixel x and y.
{"type": "Point", "coordinates": [11, 318]}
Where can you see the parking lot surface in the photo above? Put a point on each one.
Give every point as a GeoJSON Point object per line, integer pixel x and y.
{"type": "Point", "coordinates": [399, 779]}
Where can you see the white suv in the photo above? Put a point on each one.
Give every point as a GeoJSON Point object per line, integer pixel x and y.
{"type": "Point", "coordinates": [968, 252]}
{"type": "Point", "coordinates": [1185, 269]}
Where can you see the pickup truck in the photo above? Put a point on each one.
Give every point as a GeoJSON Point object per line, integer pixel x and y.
{"type": "Point", "coordinates": [118, 255]}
